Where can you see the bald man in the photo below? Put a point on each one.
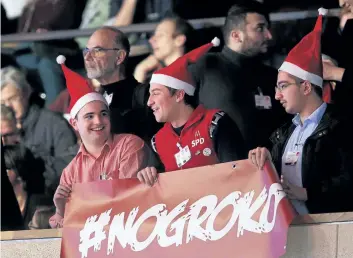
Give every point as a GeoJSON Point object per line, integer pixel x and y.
{"type": "Point", "coordinates": [105, 59]}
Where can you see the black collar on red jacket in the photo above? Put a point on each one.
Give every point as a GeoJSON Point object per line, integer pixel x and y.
{"type": "Point", "coordinates": [196, 116]}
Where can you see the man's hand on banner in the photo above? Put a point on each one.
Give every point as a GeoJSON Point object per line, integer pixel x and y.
{"type": "Point", "coordinates": [259, 156]}
{"type": "Point", "coordinates": [294, 192]}
{"type": "Point", "coordinates": [148, 176]}
{"type": "Point", "coordinates": [61, 195]}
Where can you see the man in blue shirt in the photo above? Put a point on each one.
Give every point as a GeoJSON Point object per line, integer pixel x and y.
{"type": "Point", "coordinates": [312, 153]}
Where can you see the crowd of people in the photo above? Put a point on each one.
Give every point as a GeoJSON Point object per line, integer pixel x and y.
{"type": "Point", "coordinates": [182, 107]}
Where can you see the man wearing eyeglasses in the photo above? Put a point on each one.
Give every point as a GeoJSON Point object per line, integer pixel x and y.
{"type": "Point", "coordinates": [105, 59]}
{"type": "Point", "coordinates": [313, 153]}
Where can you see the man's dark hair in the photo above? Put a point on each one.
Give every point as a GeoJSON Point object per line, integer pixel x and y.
{"type": "Point", "coordinates": [121, 40]}
{"type": "Point", "coordinates": [189, 100]}
{"type": "Point", "coordinates": [236, 16]}
{"type": "Point", "coordinates": [182, 27]}
{"type": "Point", "coordinates": [317, 90]}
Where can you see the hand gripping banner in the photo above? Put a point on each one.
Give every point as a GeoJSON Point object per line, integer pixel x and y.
{"type": "Point", "coordinates": [226, 210]}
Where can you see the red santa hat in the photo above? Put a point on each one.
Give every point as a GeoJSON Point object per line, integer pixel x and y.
{"type": "Point", "coordinates": [176, 75]}
{"type": "Point", "coordinates": [79, 89]}
{"type": "Point", "coordinates": [304, 60]}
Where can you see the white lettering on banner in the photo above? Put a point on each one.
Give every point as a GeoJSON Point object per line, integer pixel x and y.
{"type": "Point", "coordinates": [96, 227]}
{"type": "Point", "coordinates": [243, 210]}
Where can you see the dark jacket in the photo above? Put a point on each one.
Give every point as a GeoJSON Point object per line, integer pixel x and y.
{"type": "Point", "coordinates": [327, 165]}
{"type": "Point", "coordinates": [129, 110]}
{"type": "Point", "coordinates": [338, 44]}
{"type": "Point", "coordinates": [343, 94]}
{"type": "Point", "coordinates": [11, 218]}
{"type": "Point", "coordinates": [50, 138]}
{"type": "Point", "coordinates": [229, 81]}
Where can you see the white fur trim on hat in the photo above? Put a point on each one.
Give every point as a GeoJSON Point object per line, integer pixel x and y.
{"type": "Point", "coordinates": [61, 59]}
{"type": "Point", "coordinates": [322, 11]}
{"type": "Point", "coordinates": [81, 102]}
{"type": "Point", "coordinates": [174, 83]}
{"type": "Point", "coordinates": [215, 42]}
{"type": "Point", "coordinates": [301, 73]}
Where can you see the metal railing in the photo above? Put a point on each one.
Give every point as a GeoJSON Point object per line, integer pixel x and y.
{"type": "Point", "coordinates": [149, 27]}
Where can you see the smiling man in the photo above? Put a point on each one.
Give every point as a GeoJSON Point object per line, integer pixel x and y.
{"type": "Point", "coordinates": [192, 136]}
{"type": "Point", "coordinates": [102, 155]}
{"type": "Point", "coordinates": [313, 153]}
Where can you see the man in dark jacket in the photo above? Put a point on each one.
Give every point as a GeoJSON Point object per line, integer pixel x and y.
{"type": "Point", "coordinates": [236, 81]}
{"type": "Point", "coordinates": [105, 58]}
{"type": "Point", "coordinates": [45, 133]}
{"type": "Point", "coordinates": [342, 50]}
{"type": "Point", "coordinates": [312, 154]}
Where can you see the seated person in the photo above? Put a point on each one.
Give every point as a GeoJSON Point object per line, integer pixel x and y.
{"type": "Point", "coordinates": [192, 136]}
{"type": "Point", "coordinates": [171, 40]}
{"type": "Point", "coordinates": [45, 133]}
{"type": "Point", "coordinates": [102, 155]}
{"type": "Point", "coordinates": [23, 177]}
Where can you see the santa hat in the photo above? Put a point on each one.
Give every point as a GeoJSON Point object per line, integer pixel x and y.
{"type": "Point", "coordinates": [304, 60]}
{"type": "Point", "coordinates": [176, 75]}
{"type": "Point", "coordinates": [79, 89]}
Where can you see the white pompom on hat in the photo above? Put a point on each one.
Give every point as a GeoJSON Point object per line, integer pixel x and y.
{"type": "Point", "coordinates": [79, 89]}
{"type": "Point", "coordinates": [304, 60]}
{"type": "Point", "coordinates": [176, 75]}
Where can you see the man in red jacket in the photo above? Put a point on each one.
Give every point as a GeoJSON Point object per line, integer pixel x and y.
{"type": "Point", "coordinates": [192, 135]}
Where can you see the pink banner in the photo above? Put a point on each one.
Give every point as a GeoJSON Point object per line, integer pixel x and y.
{"type": "Point", "coordinates": [227, 210]}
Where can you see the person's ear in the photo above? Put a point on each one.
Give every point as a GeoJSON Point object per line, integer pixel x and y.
{"type": "Point", "coordinates": [237, 36]}
{"type": "Point", "coordinates": [73, 123]}
{"type": "Point", "coordinates": [180, 40]}
{"type": "Point", "coordinates": [307, 87]}
{"type": "Point", "coordinates": [121, 57]}
{"type": "Point", "coordinates": [180, 94]}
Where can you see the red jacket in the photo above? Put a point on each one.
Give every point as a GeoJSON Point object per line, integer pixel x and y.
{"type": "Point", "coordinates": [195, 136]}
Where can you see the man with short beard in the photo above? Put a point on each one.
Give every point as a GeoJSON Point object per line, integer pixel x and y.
{"type": "Point", "coordinates": [236, 81]}
{"type": "Point", "coordinates": [105, 59]}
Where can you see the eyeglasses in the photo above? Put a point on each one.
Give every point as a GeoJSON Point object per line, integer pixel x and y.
{"type": "Point", "coordinates": [11, 100]}
{"type": "Point", "coordinates": [97, 51]}
{"type": "Point", "coordinates": [17, 133]}
{"type": "Point", "coordinates": [282, 86]}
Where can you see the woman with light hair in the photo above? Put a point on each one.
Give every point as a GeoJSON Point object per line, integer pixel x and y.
{"type": "Point", "coordinates": [15, 91]}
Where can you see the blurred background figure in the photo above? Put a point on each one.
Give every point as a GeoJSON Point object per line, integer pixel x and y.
{"type": "Point", "coordinates": [24, 179]}
{"type": "Point", "coordinates": [172, 38]}
{"type": "Point", "coordinates": [46, 134]}
{"type": "Point", "coordinates": [10, 135]}
{"type": "Point", "coordinates": [40, 219]}
{"type": "Point", "coordinates": [11, 217]}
